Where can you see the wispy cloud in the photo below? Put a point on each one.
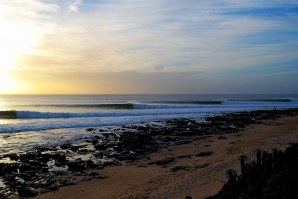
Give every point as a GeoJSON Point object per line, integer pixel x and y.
{"type": "Point", "coordinates": [169, 36]}
{"type": "Point", "coordinates": [142, 34]}
{"type": "Point", "coordinates": [22, 26]}
{"type": "Point", "coordinates": [74, 6]}
{"type": "Point", "coordinates": [25, 9]}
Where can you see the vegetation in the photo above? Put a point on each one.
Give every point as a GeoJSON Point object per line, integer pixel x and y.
{"type": "Point", "coordinates": [273, 175]}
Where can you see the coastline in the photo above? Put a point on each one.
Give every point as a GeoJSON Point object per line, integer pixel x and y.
{"type": "Point", "coordinates": [200, 177]}
{"type": "Point", "coordinates": [163, 160]}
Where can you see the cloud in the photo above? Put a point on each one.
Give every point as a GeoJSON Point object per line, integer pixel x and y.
{"type": "Point", "coordinates": [141, 35]}
{"type": "Point", "coordinates": [134, 82]}
{"type": "Point", "coordinates": [22, 26]}
{"type": "Point", "coordinates": [169, 36]}
{"type": "Point", "coordinates": [25, 9]}
{"type": "Point", "coordinates": [115, 82]}
{"type": "Point", "coordinates": [74, 6]}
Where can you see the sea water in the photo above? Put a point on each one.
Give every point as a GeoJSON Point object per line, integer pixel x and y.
{"type": "Point", "coordinates": [27, 121]}
{"type": "Point", "coordinates": [34, 113]}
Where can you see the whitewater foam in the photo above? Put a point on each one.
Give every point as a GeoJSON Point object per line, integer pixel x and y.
{"type": "Point", "coordinates": [71, 113]}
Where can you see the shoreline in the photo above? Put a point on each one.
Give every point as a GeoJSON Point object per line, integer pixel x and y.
{"type": "Point", "coordinates": [135, 152]}
{"type": "Point", "coordinates": [200, 177]}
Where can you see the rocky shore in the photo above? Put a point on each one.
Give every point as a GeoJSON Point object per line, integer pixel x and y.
{"type": "Point", "coordinates": [45, 168]}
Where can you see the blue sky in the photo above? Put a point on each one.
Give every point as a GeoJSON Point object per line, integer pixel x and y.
{"type": "Point", "coordinates": [162, 46]}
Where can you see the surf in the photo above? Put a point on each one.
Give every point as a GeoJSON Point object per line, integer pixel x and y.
{"type": "Point", "coordinates": [8, 114]}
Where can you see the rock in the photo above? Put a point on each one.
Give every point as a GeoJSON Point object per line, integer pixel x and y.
{"type": "Point", "coordinates": [101, 177]}
{"type": "Point", "coordinates": [83, 151]}
{"type": "Point", "coordinates": [169, 138]}
{"type": "Point", "coordinates": [180, 168]}
{"type": "Point", "coordinates": [77, 165]}
{"type": "Point", "coordinates": [43, 158]}
{"type": "Point", "coordinates": [69, 147]}
{"type": "Point", "coordinates": [9, 168]}
{"type": "Point", "coordinates": [164, 161]}
{"type": "Point", "coordinates": [143, 128]}
{"type": "Point", "coordinates": [181, 142]}
{"type": "Point", "coordinates": [100, 147]}
{"type": "Point", "coordinates": [25, 167]}
{"type": "Point", "coordinates": [44, 169]}
{"type": "Point", "coordinates": [109, 136]}
{"type": "Point", "coordinates": [90, 129]}
{"type": "Point", "coordinates": [93, 174]}
{"type": "Point", "coordinates": [12, 156]}
{"type": "Point", "coordinates": [54, 186]}
{"type": "Point", "coordinates": [69, 181]}
{"type": "Point", "coordinates": [43, 148]}
{"type": "Point", "coordinates": [94, 141]}
{"type": "Point", "coordinates": [27, 192]}
{"type": "Point", "coordinates": [90, 164]}
{"type": "Point", "coordinates": [200, 166]}
{"type": "Point", "coordinates": [29, 156]}
{"type": "Point", "coordinates": [137, 142]}
{"type": "Point", "coordinates": [2, 166]}
{"type": "Point", "coordinates": [98, 154]}
{"type": "Point", "coordinates": [222, 137]}
{"type": "Point", "coordinates": [184, 156]}
{"type": "Point", "coordinates": [205, 153]}
{"type": "Point", "coordinates": [65, 146]}
{"type": "Point", "coordinates": [59, 157]}
{"type": "Point", "coordinates": [97, 175]}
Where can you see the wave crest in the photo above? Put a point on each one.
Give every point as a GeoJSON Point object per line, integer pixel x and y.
{"type": "Point", "coordinates": [8, 114]}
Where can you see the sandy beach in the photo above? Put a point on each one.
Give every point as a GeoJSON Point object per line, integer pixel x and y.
{"type": "Point", "coordinates": [186, 170]}
{"type": "Point", "coordinates": [139, 99]}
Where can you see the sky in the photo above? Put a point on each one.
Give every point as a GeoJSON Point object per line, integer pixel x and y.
{"type": "Point", "coordinates": [146, 46]}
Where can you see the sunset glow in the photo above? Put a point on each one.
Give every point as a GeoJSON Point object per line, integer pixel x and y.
{"type": "Point", "coordinates": [15, 40]}
{"type": "Point", "coordinates": [6, 84]}
{"type": "Point", "coordinates": [18, 39]}
{"type": "Point", "coordinates": [135, 46]}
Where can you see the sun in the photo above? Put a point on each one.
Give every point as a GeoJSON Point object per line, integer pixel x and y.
{"type": "Point", "coordinates": [7, 65]}
{"type": "Point", "coordinates": [16, 40]}
{"type": "Point", "coordinates": [7, 85]}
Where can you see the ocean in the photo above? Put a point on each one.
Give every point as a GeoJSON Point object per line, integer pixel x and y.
{"type": "Point", "coordinates": [32, 113]}
{"type": "Point", "coordinates": [27, 121]}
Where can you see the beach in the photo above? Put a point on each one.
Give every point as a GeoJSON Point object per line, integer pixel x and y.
{"type": "Point", "coordinates": [166, 159]}
{"type": "Point", "coordinates": [105, 147]}
{"type": "Point", "coordinates": [188, 173]}
{"type": "Point", "coordinates": [148, 99]}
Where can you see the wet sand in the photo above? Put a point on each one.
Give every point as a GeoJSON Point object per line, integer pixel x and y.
{"type": "Point", "coordinates": [196, 175]}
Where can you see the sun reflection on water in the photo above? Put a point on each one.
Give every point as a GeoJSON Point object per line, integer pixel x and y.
{"type": "Point", "coordinates": [3, 104]}
{"type": "Point", "coordinates": [3, 107]}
